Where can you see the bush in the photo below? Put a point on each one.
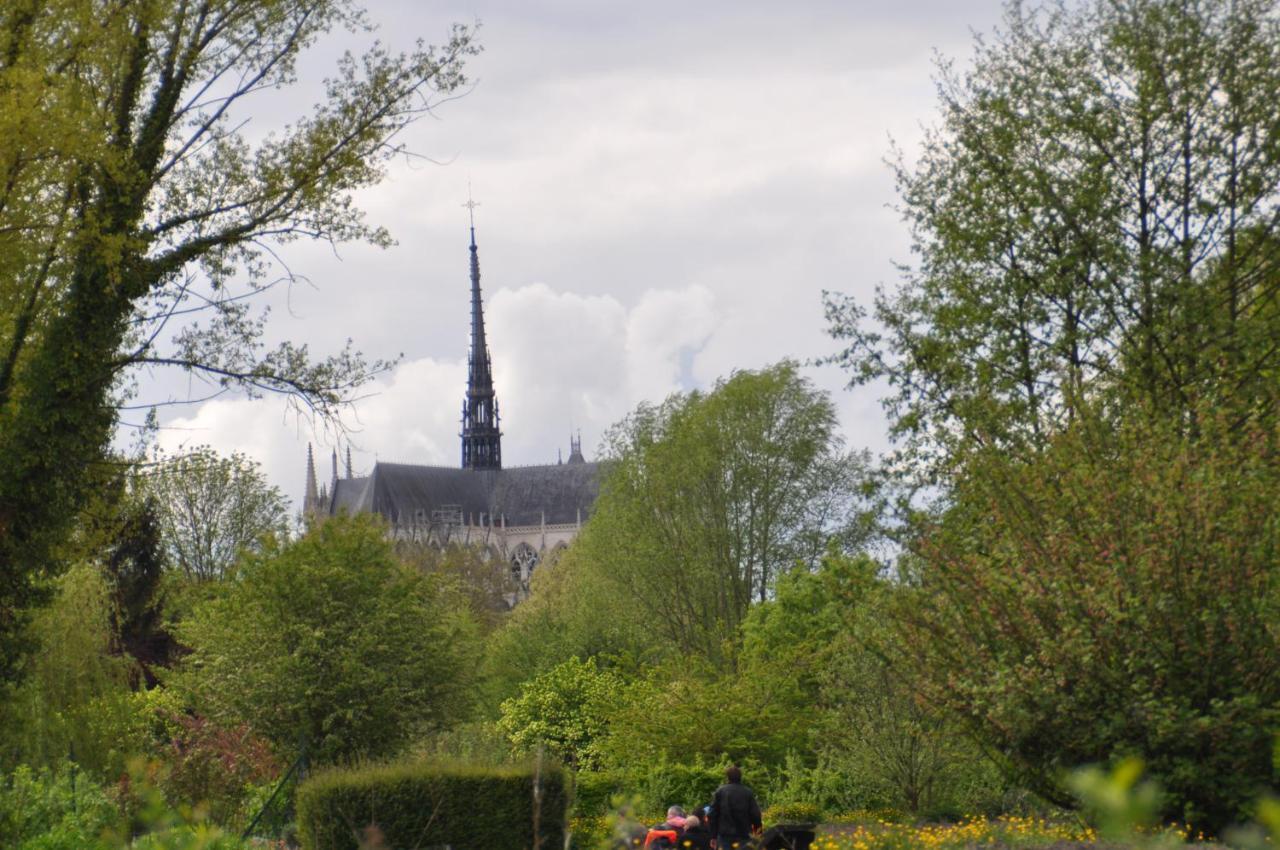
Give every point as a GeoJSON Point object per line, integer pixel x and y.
{"type": "Point", "coordinates": [420, 804]}
{"type": "Point", "coordinates": [331, 640]}
{"type": "Point", "coordinates": [46, 809]}
{"type": "Point", "coordinates": [793, 813]}
{"type": "Point", "coordinates": [1116, 597]}
{"type": "Point", "coordinates": [593, 792]}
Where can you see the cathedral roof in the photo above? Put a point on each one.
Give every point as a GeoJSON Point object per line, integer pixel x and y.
{"type": "Point", "coordinates": [524, 495]}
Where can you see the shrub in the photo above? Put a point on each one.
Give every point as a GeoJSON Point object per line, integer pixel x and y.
{"type": "Point", "coordinates": [216, 767]}
{"type": "Point", "coordinates": [593, 792]}
{"type": "Point", "coordinates": [1116, 597]}
{"type": "Point", "coordinates": [793, 813]}
{"type": "Point", "coordinates": [420, 804]}
{"type": "Point", "coordinates": [667, 783]}
{"type": "Point", "coordinates": [47, 809]}
{"type": "Point", "coordinates": [331, 640]}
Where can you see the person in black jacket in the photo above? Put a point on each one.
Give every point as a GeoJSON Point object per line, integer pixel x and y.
{"type": "Point", "coordinates": [735, 814]}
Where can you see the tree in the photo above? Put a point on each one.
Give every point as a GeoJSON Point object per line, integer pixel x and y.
{"type": "Point", "coordinates": [135, 568]}
{"type": "Point", "coordinates": [485, 580]}
{"type": "Point", "coordinates": [1096, 216]}
{"type": "Point", "coordinates": [130, 197]}
{"type": "Point", "coordinates": [75, 700]}
{"type": "Point", "coordinates": [1115, 597]}
{"type": "Point", "coordinates": [332, 642]}
{"type": "Point", "coordinates": [566, 709]}
{"type": "Point", "coordinates": [710, 497]}
{"type": "Point", "coordinates": [890, 747]}
{"type": "Point", "coordinates": [211, 508]}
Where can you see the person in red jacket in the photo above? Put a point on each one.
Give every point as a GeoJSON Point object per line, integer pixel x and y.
{"type": "Point", "coordinates": [735, 814]}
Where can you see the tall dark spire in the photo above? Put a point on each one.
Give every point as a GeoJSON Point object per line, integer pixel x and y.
{"type": "Point", "coordinates": [481, 436]}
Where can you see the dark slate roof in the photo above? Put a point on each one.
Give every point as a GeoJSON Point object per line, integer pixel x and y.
{"type": "Point", "coordinates": [523, 494]}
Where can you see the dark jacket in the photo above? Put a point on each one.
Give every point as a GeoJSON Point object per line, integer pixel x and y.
{"type": "Point", "coordinates": [698, 838]}
{"type": "Point", "coordinates": [735, 814]}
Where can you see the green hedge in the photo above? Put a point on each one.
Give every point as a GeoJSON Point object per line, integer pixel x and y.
{"type": "Point", "coordinates": [593, 792]}
{"type": "Point", "coordinates": [424, 805]}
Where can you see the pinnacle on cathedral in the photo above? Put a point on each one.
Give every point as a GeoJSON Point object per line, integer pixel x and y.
{"type": "Point", "coordinates": [481, 436]}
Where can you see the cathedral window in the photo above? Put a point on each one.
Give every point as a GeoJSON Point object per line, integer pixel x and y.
{"type": "Point", "coordinates": [523, 560]}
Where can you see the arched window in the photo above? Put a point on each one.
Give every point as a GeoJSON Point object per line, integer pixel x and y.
{"type": "Point", "coordinates": [523, 560]}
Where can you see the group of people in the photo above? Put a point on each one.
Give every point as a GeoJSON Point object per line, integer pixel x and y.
{"type": "Point", "coordinates": [728, 822]}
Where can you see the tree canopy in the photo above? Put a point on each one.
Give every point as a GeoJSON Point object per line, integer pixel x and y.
{"type": "Point", "coordinates": [138, 218]}
{"type": "Point", "coordinates": [1083, 361]}
{"type": "Point", "coordinates": [1097, 212]}
{"type": "Point", "coordinates": [210, 508]}
{"type": "Point", "coordinates": [332, 641]}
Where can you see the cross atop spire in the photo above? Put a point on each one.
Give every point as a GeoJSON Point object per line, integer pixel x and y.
{"type": "Point", "coordinates": [470, 206]}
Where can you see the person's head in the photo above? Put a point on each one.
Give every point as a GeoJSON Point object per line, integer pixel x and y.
{"type": "Point", "coordinates": [675, 812]}
{"type": "Point", "coordinates": [692, 822]}
{"type": "Point", "coordinates": [733, 773]}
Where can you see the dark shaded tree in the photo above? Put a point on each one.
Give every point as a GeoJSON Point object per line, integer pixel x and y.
{"type": "Point", "coordinates": [134, 565]}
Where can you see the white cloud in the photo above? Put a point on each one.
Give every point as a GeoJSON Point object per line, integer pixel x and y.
{"type": "Point", "coordinates": [684, 191]}
{"type": "Point", "coordinates": [562, 361]}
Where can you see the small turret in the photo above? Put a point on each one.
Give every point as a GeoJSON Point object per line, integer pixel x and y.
{"type": "Point", "coordinates": [575, 449]}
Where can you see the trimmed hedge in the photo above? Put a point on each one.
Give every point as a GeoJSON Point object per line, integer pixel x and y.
{"type": "Point", "coordinates": [425, 805]}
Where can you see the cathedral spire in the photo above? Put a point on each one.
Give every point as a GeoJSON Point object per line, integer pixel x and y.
{"type": "Point", "coordinates": [311, 497]}
{"type": "Point", "coordinates": [481, 436]}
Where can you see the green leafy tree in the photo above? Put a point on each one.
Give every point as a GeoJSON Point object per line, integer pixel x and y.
{"type": "Point", "coordinates": [571, 611]}
{"type": "Point", "coordinates": [331, 641]}
{"type": "Point", "coordinates": [1097, 212]}
{"type": "Point", "coordinates": [889, 747]}
{"type": "Point", "coordinates": [75, 701]}
{"type": "Point", "coordinates": [211, 508]}
{"type": "Point", "coordinates": [486, 580]}
{"type": "Point", "coordinates": [709, 498]}
{"type": "Point", "coordinates": [566, 710]}
{"type": "Point", "coordinates": [137, 220]}
{"type": "Point", "coordinates": [1116, 597]}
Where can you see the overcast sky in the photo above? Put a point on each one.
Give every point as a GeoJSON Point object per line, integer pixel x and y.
{"type": "Point", "coordinates": [665, 191]}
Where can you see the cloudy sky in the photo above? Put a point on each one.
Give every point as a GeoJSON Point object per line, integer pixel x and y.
{"type": "Point", "coordinates": [665, 191]}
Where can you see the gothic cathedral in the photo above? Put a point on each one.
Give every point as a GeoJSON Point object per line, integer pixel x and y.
{"type": "Point", "coordinates": [520, 514]}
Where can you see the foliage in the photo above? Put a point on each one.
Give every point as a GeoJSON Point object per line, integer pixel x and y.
{"type": "Point", "coordinates": [53, 808]}
{"type": "Point", "coordinates": [61, 810]}
{"type": "Point", "coordinates": [216, 768]}
{"type": "Point", "coordinates": [571, 611]}
{"type": "Point", "coordinates": [709, 498]}
{"type": "Point", "coordinates": [1115, 597]}
{"type": "Point", "coordinates": [594, 791]}
{"type": "Point", "coordinates": [799, 812]}
{"type": "Point", "coordinates": [486, 581]}
{"type": "Point", "coordinates": [134, 566]}
{"type": "Point", "coordinates": [1116, 801]}
{"type": "Point", "coordinates": [686, 714]}
{"type": "Point", "coordinates": [210, 508]}
{"type": "Point", "coordinates": [75, 700]}
{"type": "Point", "coordinates": [420, 804]}
{"type": "Point", "coordinates": [1096, 213]}
{"type": "Point", "coordinates": [888, 748]}
{"type": "Point", "coordinates": [331, 642]}
{"type": "Point", "coordinates": [132, 201]}
{"type": "Point", "coordinates": [566, 709]}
